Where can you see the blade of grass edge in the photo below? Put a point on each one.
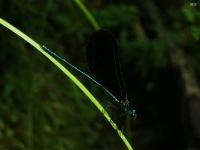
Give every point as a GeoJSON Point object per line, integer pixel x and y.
{"type": "Point", "coordinates": [69, 75]}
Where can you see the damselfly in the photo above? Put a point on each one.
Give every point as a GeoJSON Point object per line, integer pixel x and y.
{"type": "Point", "coordinates": [102, 55]}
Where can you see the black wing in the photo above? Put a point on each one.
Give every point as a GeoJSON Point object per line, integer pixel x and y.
{"type": "Point", "coordinates": [103, 61]}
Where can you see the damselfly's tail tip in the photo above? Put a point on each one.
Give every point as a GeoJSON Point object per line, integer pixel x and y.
{"type": "Point", "coordinates": [43, 46]}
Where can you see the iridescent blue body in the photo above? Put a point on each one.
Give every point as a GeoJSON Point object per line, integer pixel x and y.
{"type": "Point", "coordinates": [126, 107]}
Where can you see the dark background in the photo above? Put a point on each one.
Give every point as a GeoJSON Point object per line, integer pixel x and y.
{"type": "Point", "coordinates": [159, 50]}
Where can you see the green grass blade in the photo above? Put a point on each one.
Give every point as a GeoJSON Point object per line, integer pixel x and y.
{"type": "Point", "coordinates": [87, 13]}
{"type": "Point", "coordinates": [70, 75]}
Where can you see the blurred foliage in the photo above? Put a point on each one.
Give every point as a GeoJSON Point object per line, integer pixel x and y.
{"type": "Point", "coordinates": [41, 109]}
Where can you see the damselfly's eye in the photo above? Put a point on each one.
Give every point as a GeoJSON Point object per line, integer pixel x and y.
{"type": "Point", "coordinates": [133, 113]}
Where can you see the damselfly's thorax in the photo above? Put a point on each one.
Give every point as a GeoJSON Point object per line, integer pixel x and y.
{"type": "Point", "coordinates": [128, 109]}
